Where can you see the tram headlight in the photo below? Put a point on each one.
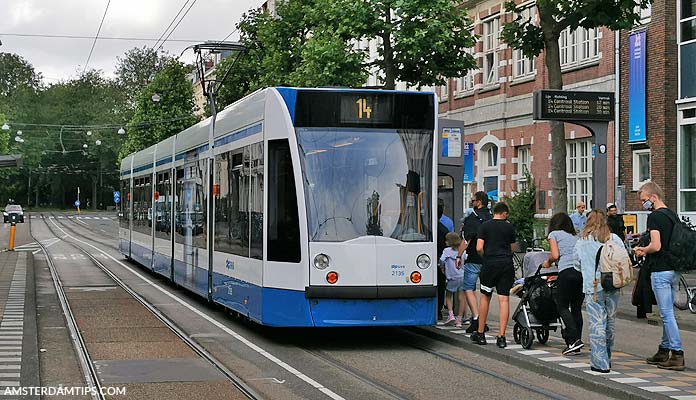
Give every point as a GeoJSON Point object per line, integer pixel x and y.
{"type": "Point", "coordinates": [423, 261]}
{"type": "Point", "coordinates": [321, 261]}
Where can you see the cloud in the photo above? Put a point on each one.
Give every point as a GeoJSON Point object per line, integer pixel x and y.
{"type": "Point", "coordinates": [64, 58]}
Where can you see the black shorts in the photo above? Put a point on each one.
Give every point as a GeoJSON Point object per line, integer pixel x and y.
{"type": "Point", "coordinates": [499, 275]}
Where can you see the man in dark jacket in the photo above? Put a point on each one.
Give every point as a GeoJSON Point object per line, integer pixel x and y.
{"type": "Point", "coordinates": [615, 222]}
{"type": "Point", "coordinates": [472, 267]}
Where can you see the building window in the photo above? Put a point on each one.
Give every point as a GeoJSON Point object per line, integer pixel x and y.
{"type": "Point", "coordinates": [524, 66]}
{"type": "Point", "coordinates": [490, 51]}
{"type": "Point", "coordinates": [491, 156]}
{"type": "Point", "coordinates": [444, 91]}
{"type": "Point", "coordinates": [578, 47]}
{"type": "Point", "coordinates": [579, 172]}
{"type": "Point", "coordinates": [645, 13]}
{"type": "Point", "coordinates": [687, 48]}
{"type": "Point", "coordinates": [687, 181]}
{"type": "Point", "coordinates": [641, 168]}
{"type": "Point", "coordinates": [465, 83]}
{"type": "Point", "coordinates": [524, 166]}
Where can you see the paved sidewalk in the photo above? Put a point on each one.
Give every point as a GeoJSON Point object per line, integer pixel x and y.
{"type": "Point", "coordinates": [18, 339]}
{"type": "Point", "coordinates": [631, 376]}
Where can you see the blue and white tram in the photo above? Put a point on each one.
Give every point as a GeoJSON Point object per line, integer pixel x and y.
{"type": "Point", "coordinates": [302, 207]}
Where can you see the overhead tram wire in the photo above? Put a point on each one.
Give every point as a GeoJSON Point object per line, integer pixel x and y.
{"type": "Point", "coordinates": [129, 39]}
{"type": "Point", "coordinates": [177, 25]}
{"type": "Point", "coordinates": [170, 24]}
{"type": "Point", "coordinates": [96, 36]}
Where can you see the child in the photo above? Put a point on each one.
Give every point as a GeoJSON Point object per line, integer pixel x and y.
{"type": "Point", "coordinates": [455, 279]}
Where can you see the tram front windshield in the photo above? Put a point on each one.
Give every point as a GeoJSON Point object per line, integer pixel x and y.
{"type": "Point", "coordinates": [367, 182]}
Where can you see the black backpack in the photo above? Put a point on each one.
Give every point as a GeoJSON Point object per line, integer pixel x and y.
{"type": "Point", "coordinates": [682, 245]}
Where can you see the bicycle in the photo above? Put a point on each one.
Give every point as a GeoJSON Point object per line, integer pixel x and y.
{"type": "Point", "coordinates": [685, 296]}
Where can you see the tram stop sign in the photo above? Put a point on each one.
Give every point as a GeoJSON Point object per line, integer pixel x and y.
{"type": "Point", "coordinates": [117, 197]}
{"type": "Point", "coordinates": [592, 110]}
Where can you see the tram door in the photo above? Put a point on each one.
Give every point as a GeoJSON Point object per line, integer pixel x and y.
{"type": "Point", "coordinates": [450, 186]}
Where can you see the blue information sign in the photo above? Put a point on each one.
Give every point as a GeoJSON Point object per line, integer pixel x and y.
{"type": "Point", "coordinates": [636, 88]}
{"type": "Point", "coordinates": [117, 197]}
{"type": "Point", "coordinates": [468, 163]}
{"type": "Point", "coordinates": [77, 203]}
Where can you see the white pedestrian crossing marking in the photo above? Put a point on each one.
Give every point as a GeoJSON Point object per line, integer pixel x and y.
{"type": "Point", "coordinates": [629, 380]}
{"type": "Point", "coordinates": [659, 389]}
{"type": "Point", "coordinates": [576, 365]}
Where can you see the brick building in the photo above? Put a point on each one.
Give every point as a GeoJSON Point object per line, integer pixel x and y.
{"type": "Point", "coordinates": [667, 156]}
{"type": "Point", "coordinates": [495, 103]}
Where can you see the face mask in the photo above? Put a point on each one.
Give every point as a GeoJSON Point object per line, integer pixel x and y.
{"type": "Point", "coordinates": [648, 205]}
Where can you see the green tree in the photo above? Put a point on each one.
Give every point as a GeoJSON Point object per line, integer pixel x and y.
{"type": "Point", "coordinates": [137, 69]}
{"type": "Point", "coordinates": [155, 121]}
{"type": "Point", "coordinates": [421, 41]}
{"type": "Point", "coordinates": [522, 209]}
{"type": "Point", "coordinates": [293, 48]}
{"type": "Point", "coordinates": [532, 38]}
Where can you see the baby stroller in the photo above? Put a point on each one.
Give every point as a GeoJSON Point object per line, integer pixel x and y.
{"type": "Point", "coordinates": [537, 310]}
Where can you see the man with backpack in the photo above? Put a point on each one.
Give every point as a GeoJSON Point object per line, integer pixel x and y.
{"type": "Point", "coordinates": [472, 268]}
{"type": "Point", "coordinates": [662, 264]}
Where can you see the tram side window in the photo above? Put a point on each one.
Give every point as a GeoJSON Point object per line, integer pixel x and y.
{"type": "Point", "coordinates": [163, 204]}
{"type": "Point", "coordinates": [125, 203]}
{"type": "Point", "coordinates": [255, 152]}
{"type": "Point", "coordinates": [143, 215]}
{"type": "Point", "coordinates": [231, 211]}
{"type": "Point", "coordinates": [283, 220]}
{"type": "Point", "coordinates": [178, 204]}
{"type": "Point", "coordinates": [199, 215]}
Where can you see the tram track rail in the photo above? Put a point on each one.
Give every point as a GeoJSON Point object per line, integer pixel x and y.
{"type": "Point", "coordinates": [81, 348]}
{"type": "Point", "coordinates": [384, 387]}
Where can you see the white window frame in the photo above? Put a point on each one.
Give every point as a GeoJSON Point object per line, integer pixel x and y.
{"type": "Point", "coordinates": [524, 164]}
{"type": "Point", "coordinates": [492, 154]}
{"type": "Point", "coordinates": [491, 32]}
{"type": "Point", "coordinates": [444, 91]}
{"type": "Point", "coordinates": [579, 171]}
{"type": "Point", "coordinates": [579, 47]}
{"type": "Point", "coordinates": [645, 13]}
{"type": "Point", "coordinates": [466, 84]}
{"type": "Point", "coordinates": [637, 183]}
{"type": "Point", "coordinates": [524, 66]}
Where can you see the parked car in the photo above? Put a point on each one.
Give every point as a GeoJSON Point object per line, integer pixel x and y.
{"type": "Point", "coordinates": [12, 209]}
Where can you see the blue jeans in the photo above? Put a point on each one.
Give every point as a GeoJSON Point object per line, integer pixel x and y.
{"type": "Point", "coordinates": [664, 284]}
{"type": "Point", "coordinates": [601, 316]}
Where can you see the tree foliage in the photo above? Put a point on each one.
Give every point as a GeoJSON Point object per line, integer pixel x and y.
{"type": "Point", "coordinates": [314, 43]}
{"type": "Point", "coordinates": [522, 209]}
{"type": "Point", "coordinates": [136, 69]}
{"type": "Point", "coordinates": [155, 121]}
{"type": "Point", "coordinates": [533, 37]}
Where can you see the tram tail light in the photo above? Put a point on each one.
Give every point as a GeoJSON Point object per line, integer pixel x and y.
{"type": "Point", "coordinates": [416, 277]}
{"type": "Point", "coordinates": [332, 277]}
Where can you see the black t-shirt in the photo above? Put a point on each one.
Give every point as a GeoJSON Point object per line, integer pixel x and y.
{"type": "Point", "coordinates": [472, 223]}
{"type": "Point", "coordinates": [497, 235]}
{"type": "Point", "coordinates": [659, 220]}
{"type": "Point", "coordinates": [616, 225]}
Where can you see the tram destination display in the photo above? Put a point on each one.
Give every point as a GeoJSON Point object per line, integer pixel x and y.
{"type": "Point", "coordinates": [565, 105]}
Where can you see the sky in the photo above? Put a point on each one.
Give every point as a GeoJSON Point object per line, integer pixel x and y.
{"type": "Point", "coordinates": [62, 58]}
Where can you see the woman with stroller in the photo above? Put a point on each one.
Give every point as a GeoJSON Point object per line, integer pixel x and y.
{"type": "Point", "coordinates": [568, 295]}
{"type": "Point", "coordinates": [600, 304]}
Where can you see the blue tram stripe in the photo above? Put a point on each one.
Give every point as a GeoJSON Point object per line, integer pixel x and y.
{"type": "Point", "coordinates": [239, 135]}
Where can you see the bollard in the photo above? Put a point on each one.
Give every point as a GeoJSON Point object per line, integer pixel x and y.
{"type": "Point", "coordinates": [13, 227]}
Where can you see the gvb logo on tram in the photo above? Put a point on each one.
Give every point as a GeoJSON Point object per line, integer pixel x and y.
{"type": "Point", "coordinates": [316, 205]}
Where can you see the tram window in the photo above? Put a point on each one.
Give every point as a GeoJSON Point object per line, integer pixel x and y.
{"type": "Point", "coordinates": [199, 215]}
{"type": "Point", "coordinates": [283, 221]}
{"type": "Point", "coordinates": [125, 203]}
{"type": "Point", "coordinates": [163, 204]}
{"type": "Point", "coordinates": [178, 205]}
{"type": "Point", "coordinates": [231, 216]}
{"type": "Point", "coordinates": [256, 200]}
{"type": "Point", "coordinates": [142, 211]}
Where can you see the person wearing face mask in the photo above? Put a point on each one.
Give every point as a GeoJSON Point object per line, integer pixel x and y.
{"type": "Point", "coordinates": [472, 268]}
{"type": "Point", "coordinates": [663, 278]}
